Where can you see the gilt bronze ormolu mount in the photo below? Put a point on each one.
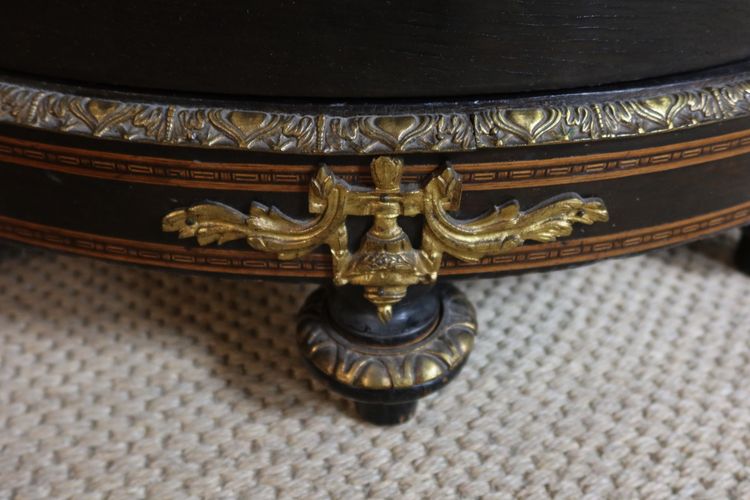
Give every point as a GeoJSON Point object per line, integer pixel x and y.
{"type": "Point", "coordinates": [422, 337]}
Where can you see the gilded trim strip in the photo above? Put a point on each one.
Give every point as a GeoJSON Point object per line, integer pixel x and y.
{"type": "Point", "coordinates": [296, 178]}
{"type": "Point", "coordinates": [396, 128]}
{"type": "Point", "coordinates": [318, 265]}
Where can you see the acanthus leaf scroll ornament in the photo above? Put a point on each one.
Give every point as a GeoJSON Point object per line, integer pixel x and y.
{"type": "Point", "coordinates": [386, 263]}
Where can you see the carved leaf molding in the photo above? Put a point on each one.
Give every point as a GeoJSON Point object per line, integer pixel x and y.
{"type": "Point", "coordinates": [592, 117]}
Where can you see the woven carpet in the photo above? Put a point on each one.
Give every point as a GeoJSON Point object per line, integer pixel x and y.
{"type": "Point", "coordinates": [625, 379]}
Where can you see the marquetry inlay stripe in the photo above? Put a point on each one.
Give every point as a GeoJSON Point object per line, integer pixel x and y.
{"type": "Point", "coordinates": [295, 178]}
{"type": "Point", "coordinates": [251, 263]}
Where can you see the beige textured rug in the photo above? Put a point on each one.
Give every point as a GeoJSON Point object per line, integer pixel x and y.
{"type": "Point", "coordinates": [625, 379]}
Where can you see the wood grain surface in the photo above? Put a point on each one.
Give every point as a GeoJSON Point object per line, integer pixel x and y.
{"type": "Point", "coordinates": [373, 49]}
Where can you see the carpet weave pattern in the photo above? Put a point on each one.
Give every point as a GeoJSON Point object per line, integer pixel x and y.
{"type": "Point", "coordinates": [624, 379]}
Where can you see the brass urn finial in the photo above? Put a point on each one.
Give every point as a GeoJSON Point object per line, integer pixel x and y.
{"type": "Point", "coordinates": [386, 173]}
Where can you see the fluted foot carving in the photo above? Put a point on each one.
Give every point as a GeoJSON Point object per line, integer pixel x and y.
{"type": "Point", "coordinates": [386, 367]}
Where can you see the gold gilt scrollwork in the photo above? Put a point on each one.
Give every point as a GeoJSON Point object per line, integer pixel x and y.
{"type": "Point", "coordinates": [386, 263]}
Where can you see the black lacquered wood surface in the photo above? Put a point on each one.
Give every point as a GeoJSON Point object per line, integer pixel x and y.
{"type": "Point", "coordinates": [343, 49]}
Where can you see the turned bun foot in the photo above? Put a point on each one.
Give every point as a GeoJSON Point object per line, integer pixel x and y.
{"type": "Point", "coordinates": [386, 367]}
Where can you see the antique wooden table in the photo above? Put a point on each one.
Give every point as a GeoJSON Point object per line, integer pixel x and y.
{"type": "Point", "coordinates": [380, 149]}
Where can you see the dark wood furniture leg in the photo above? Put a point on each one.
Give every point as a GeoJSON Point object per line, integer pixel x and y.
{"type": "Point", "coordinates": [385, 367]}
{"type": "Point", "coordinates": [742, 253]}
